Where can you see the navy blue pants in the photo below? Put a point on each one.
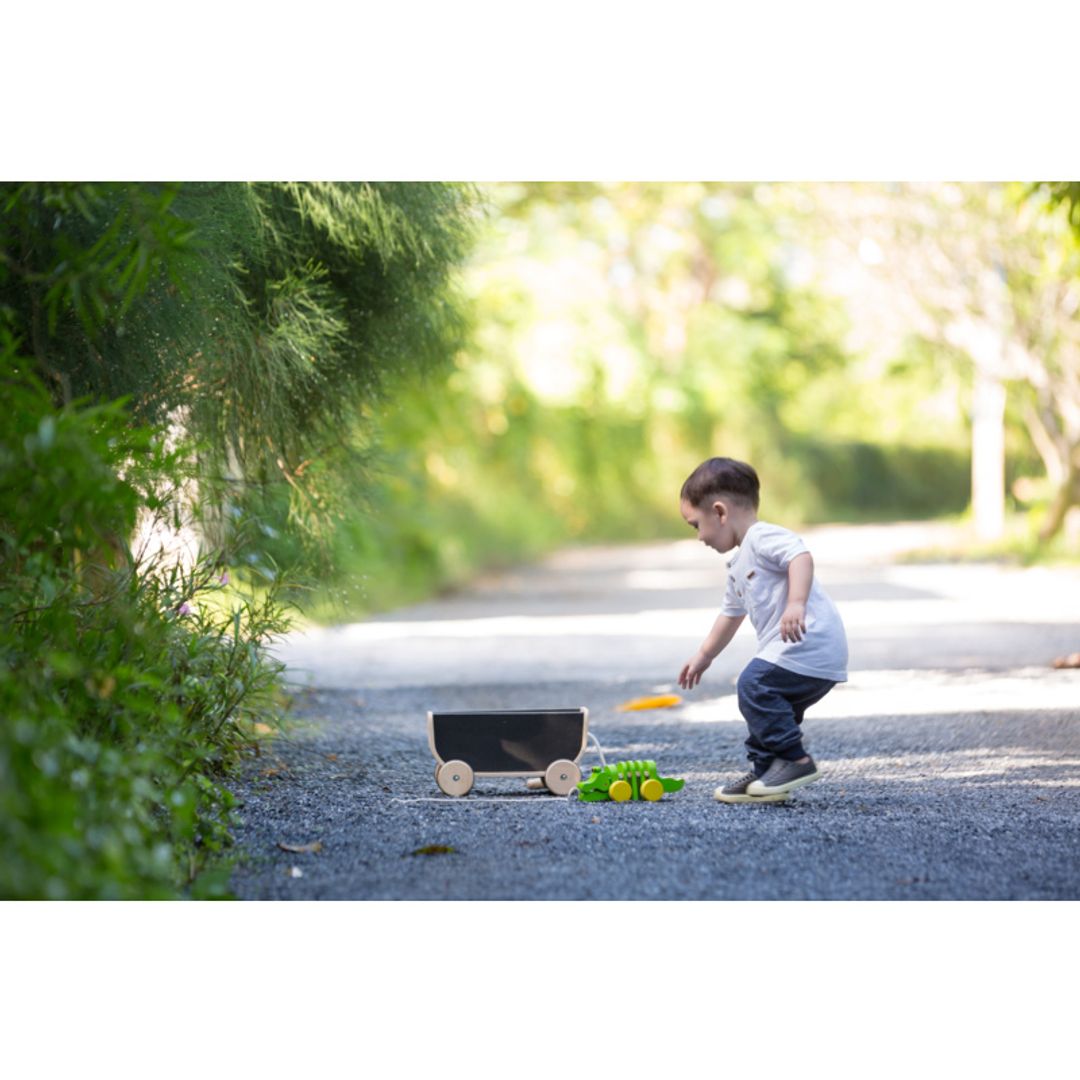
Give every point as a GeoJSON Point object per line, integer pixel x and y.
{"type": "Point", "coordinates": [772, 701]}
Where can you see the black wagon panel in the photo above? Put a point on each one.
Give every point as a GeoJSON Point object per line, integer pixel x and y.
{"type": "Point", "coordinates": [509, 742]}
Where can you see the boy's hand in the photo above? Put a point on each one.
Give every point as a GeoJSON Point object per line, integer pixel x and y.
{"type": "Point", "coordinates": [692, 671]}
{"type": "Point", "coordinates": [793, 622]}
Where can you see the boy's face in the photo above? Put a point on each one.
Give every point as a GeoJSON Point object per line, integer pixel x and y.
{"type": "Point", "coordinates": [712, 522]}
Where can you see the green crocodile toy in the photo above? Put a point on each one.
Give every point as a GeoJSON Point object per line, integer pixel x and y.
{"type": "Point", "coordinates": [626, 780]}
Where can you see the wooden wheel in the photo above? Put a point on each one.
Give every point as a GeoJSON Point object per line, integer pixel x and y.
{"type": "Point", "coordinates": [455, 778]}
{"type": "Point", "coordinates": [562, 777]}
{"type": "Point", "coordinates": [619, 791]}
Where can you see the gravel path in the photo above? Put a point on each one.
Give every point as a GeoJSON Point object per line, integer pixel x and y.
{"type": "Point", "coordinates": [951, 758]}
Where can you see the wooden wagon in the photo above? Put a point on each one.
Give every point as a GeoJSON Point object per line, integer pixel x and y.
{"type": "Point", "coordinates": [540, 745]}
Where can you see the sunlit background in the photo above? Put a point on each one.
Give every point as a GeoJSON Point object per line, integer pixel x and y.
{"type": "Point", "coordinates": [879, 352]}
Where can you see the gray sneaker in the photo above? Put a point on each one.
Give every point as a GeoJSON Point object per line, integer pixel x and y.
{"type": "Point", "coordinates": [736, 791]}
{"type": "Point", "coordinates": [782, 777]}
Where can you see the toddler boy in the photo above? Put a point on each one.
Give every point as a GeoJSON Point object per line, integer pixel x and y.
{"type": "Point", "coordinates": [802, 649]}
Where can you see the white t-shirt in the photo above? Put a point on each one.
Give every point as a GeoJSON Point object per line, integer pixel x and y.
{"type": "Point", "coordinates": [757, 586]}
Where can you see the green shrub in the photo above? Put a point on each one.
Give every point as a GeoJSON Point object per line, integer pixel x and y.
{"type": "Point", "coordinates": [126, 686]}
{"type": "Point", "coordinates": [852, 480]}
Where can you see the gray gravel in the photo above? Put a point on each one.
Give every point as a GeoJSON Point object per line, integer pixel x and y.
{"type": "Point", "coordinates": [985, 806]}
{"type": "Point", "coordinates": [943, 780]}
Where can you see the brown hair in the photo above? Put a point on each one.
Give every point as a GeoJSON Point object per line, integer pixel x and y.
{"type": "Point", "coordinates": [722, 476]}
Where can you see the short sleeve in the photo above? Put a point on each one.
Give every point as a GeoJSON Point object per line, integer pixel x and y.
{"type": "Point", "coordinates": [775, 547]}
{"type": "Point", "coordinates": [732, 605]}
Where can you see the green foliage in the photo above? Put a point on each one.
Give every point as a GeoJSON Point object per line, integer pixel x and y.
{"type": "Point", "coordinates": [248, 325]}
{"type": "Point", "coordinates": [88, 249]}
{"type": "Point", "coordinates": [864, 481]}
{"type": "Point", "coordinates": [259, 317]}
{"type": "Point", "coordinates": [126, 685]}
{"type": "Point", "coordinates": [76, 260]}
{"type": "Point", "coordinates": [1062, 193]}
{"type": "Point", "coordinates": [343, 288]}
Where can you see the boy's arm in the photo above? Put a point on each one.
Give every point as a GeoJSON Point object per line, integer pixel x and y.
{"type": "Point", "coordinates": [800, 573]}
{"type": "Point", "coordinates": [720, 635]}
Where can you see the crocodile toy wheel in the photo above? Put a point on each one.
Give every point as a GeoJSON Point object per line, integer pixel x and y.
{"type": "Point", "coordinates": [652, 789]}
{"type": "Point", "coordinates": [619, 791]}
{"type": "Point", "coordinates": [455, 778]}
{"type": "Point", "coordinates": [562, 777]}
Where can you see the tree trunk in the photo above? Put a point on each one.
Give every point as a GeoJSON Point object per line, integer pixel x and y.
{"type": "Point", "coordinates": [1066, 497]}
{"type": "Point", "coordinates": [984, 342]}
{"type": "Point", "coordinates": [988, 456]}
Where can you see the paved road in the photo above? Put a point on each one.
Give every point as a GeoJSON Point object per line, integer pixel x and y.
{"type": "Point", "coordinates": [952, 756]}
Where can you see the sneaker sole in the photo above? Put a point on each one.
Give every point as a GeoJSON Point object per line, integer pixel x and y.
{"type": "Point", "coordinates": [720, 797]}
{"type": "Point", "coordinates": [762, 791]}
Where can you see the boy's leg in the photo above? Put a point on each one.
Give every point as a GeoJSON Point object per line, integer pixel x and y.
{"type": "Point", "coordinates": [760, 756]}
{"type": "Point", "coordinates": [791, 766]}
{"type": "Point", "coordinates": [772, 701]}
{"type": "Point", "coordinates": [809, 694]}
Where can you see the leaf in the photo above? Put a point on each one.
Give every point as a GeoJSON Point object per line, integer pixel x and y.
{"type": "Point", "coordinates": [302, 849]}
{"type": "Point", "coordinates": [435, 849]}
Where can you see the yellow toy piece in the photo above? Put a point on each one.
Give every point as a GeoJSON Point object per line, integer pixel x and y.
{"type": "Point", "coordinates": [663, 701]}
{"type": "Point", "coordinates": [652, 790]}
{"type": "Point", "coordinates": [619, 791]}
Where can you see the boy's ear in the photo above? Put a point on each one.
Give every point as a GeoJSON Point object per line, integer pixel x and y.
{"type": "Point", "coordinates": [719, 508]}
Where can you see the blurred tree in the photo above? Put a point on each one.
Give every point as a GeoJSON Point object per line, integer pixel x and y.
{"type": "Point", "coordinates": [1061, 193]}
{"type": "Point", "coordinates": [674, 303]}
{"type": "Point", "coordinates": [974, 269]}
{"type": "Point", "coordinates": [1045, 281]}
